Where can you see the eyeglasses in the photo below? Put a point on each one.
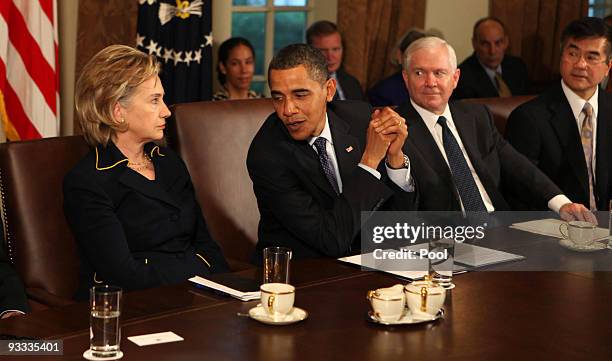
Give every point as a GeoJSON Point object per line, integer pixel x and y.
{"type": "Point", "coordinates": [574, 56]}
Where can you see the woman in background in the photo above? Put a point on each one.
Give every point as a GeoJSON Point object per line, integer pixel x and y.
{"type": "Point", "coordinates": [235, 68]}
{"type": "Point", "coordinates": [130, 203]}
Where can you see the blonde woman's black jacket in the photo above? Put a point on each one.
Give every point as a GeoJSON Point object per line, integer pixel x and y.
{"type": "Point", "coordinates": [133, 232]}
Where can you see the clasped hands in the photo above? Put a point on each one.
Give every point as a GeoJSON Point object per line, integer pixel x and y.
{"type": "Point", "coordinates": [386, 135]}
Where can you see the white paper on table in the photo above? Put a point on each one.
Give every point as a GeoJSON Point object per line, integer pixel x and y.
{"type": "Point", "coordinates": [155, 338]}
{"type": "Point", "coordinates": [550, 227]}
{"type": "Point", "coordinates": [242, 296]}
{"type": "Point", "coordinates": [419, 267]}
{"type": "Point", "coordinates": [477, 256]}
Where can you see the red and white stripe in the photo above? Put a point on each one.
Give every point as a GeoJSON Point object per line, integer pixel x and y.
{"type": "Point", "coordinates": [29, 69]}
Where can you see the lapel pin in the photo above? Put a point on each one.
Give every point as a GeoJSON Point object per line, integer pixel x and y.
{"type": "Point", "coordinates": [349, 149]}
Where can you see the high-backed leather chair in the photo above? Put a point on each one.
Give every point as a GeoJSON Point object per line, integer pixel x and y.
{"type": "Point", "coordinates": [213, 139]}
{"type": "Point", "coordinates": [501, 108]}
{"type": "Point", "coordinates": [39, 242]}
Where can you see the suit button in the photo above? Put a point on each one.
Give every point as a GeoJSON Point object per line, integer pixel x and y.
{"type": "Point", "coordinates": [174, 217]}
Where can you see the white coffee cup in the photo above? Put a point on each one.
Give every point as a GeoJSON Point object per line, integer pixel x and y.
{"type": "Point", "coordinates": [578, 232]}
{"type": "Point", "coordinates": [389, 303]}
{"type": "Point", "coordinates": [425, 298]}
{"type": "Point", "coordinates": [277, 298]}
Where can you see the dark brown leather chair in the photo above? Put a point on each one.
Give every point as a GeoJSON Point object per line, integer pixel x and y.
{"type": "Point", "coordinates": [501, 108]}
{"type": "Point", "coordinates": [213, 139]}
{"type": "Point", "coordinates": [39, 242]}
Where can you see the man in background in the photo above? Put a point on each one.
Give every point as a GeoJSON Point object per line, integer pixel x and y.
{"type": "Point", "coordinates": [324, 35]}
{"type": "Point", "coordinates": [490, 72]}
{"type": "Point", "coordinates": [567, 131]}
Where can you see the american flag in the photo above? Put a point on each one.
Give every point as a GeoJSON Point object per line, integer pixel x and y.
{"type": "Point", "coordinates": [29, 69]}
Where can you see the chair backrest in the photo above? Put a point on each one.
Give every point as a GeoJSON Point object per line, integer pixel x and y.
{"type": "Point", "coordinates": [213, 139]}
{"type": "Point", "coordinates": [39, 241]}
{"type": "Point", "coordinates": [501, 108]}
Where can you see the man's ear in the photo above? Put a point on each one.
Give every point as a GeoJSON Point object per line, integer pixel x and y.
{"type": "Point", "coordinates": [330, 84]}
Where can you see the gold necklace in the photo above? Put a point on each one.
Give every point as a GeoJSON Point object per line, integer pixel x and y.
{"type": "Point", "coordinates": [145, 164]}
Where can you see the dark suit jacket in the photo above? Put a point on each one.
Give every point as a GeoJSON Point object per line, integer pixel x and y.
{"type": "Point", "coordinates": [545, 130]}
{"type": "Point", "coordinates": [492, 157]}
{"type": "Point", "coordinates": [12, 294]}
{"type": "Point", "coordinates": [136, 233]}
{"type": "Point", "coordinates": [298, 207]}
{"type": "Point", "coordinates": [350, 85]}
{"type": "Point", "coordinates": [475, 83]}
{"type": "Point", "coordinates": [389, 91]}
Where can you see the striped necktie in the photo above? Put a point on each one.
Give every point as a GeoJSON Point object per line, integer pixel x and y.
{"type": "Point", "coordinates": [586, 136]}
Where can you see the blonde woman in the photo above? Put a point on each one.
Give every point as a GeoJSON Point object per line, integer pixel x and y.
{"type": "Point", "coordinates": [130, 203]}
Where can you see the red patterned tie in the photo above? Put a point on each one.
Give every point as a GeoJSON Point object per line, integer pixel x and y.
{"type": "Point", "coordinates": [586, 136]}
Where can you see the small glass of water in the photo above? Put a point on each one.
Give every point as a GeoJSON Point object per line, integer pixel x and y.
{"type": "Point", "coordinates": [104, 328]}
{"type": "Point", "coordinates": [276, 264]}
{"type": "Point", "coordinates": [610, 224]}
{"type": "Point", "coordinates": [441, 260]}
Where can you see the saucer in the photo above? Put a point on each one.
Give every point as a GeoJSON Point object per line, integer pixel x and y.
{"type": "Point", "coordinates": [407, 319]}
{"type": "Point", "coordinates": [595, 246]}
{"type": "Point", "coordinates": [259, 314]}
{"type": "Point", "coordinates": [89, 356]}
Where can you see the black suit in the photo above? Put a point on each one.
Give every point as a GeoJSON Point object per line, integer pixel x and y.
{"type": "Point", "coordinates": [298, 206]}
{"type": "Point", "coordinates": [136, 233]}
{"type": "Point", "coordinates": [12, 295]}
{"type": "Point", "coordinates": [492, 157]}
{"type": "Point", "coordinates": [350, 86]}
{"type": "Point", "coordinates": [475, 83]}
{"type": "Point", "coordinates": [545, 130]}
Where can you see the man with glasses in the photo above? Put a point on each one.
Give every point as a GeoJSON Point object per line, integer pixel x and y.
{"type": "Point", "coordinates": [567, 131]}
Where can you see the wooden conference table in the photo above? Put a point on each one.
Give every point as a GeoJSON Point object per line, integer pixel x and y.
{"type": "Point", "coordinates": [494, 315]}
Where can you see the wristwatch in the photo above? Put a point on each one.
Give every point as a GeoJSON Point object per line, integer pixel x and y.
{"type": "Point", "coordinates": [404, 166]}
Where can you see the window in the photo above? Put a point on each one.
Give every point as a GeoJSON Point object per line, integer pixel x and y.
{"type": "Point", "coordinates": [269, 25]}
{"type": "Point", "coordinates": [600, 8]}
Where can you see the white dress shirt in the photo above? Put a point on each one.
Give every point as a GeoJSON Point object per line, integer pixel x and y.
{"type": "Point", "coordinates": [401, 177]}
{"type": "Point", "coordinates": [431, 121]}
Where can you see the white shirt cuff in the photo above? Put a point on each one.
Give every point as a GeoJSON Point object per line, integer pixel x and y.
{"type": "Point", "coordinates": [372, 171]}
{"type": "Point", "coordinates": [7, 311]}
{"type": "Point", "coordinates": [557, 202]}
{"type": "Point", "coordinates": [401, 177]}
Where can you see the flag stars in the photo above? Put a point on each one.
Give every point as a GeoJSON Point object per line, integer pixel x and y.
{"type": "Point", "coordinates": [188, 57]}
{"type": "Point", "coordinates": [167, 54]}
{"type": "Point", "coordinates": [197, 56]}
{"type": "Point", "coordinates": [177, 57]}
{"type": "Point", "coordinates": [139, 41]}
{"type": "Point", "coordinates": [209, 39]}
{"type": "Point", "coordinates": [153, 48]}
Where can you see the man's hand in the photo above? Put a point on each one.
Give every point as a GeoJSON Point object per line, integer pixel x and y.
{"type": "Point", "coordinates": [377, 143]}
{"type": "Point", "coordinates": [576, 212]}
{"type": "Point", "coordinates": [390, 123]}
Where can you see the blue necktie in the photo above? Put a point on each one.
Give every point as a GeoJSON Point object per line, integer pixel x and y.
{"type": "Point", "coordinates": [466, 186]}
{"type": "Point", "coordinates": [328, 167]}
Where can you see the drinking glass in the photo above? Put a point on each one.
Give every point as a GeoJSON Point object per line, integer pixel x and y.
{"type": "Point", "coordinates": [276, 264]}
{"type": "Point", "coordinates": [104, 329]}
{"type": "Point", "coordinates": [610, 224]}
{"type": "Point", "coordinates": [441, 259]}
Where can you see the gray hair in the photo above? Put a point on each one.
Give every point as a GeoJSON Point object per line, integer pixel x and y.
{"type": "Point", "coordinates": [429, 42]}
